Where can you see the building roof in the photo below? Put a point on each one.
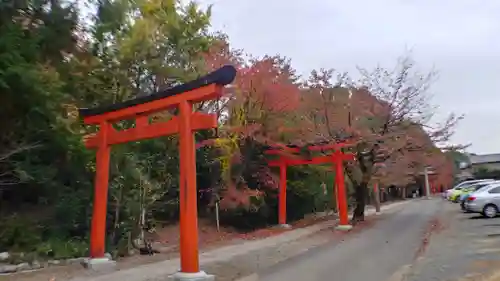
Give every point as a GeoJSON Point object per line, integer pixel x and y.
{"type": "Point", "coordinates": [485, 158]}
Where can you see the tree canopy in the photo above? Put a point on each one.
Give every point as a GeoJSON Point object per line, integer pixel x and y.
{"type": "Point", "coordinates": [53, 61]}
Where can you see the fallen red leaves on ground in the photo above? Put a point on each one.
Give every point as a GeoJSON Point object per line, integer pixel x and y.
{"type": "Point", "coordinates": [433, 227]}
{"type": "Point", "coordinates": [209, 236]}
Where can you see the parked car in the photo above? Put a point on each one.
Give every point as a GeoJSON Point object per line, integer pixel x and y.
{"type": "Point", "coordinates": [446, 193]}
{"type": "Point", "coordinates": [485, 201]}
{"type": "Point", "coordinates": [455, 196]}
{"type": "Point", "coordinates": [457, 188]}
{"type": "Point", "coordinates": [475, 187]}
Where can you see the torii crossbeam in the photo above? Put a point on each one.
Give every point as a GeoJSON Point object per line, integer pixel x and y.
{"type": "Point", "coordinates": [185, 123]}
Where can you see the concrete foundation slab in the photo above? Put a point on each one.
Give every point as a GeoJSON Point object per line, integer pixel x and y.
{"type": "Point", "coordinates": [285, 226]}
{"type": "Point", "coordinates": [345, 227]}
{"type": "Point", "coordinates": [198, 276]}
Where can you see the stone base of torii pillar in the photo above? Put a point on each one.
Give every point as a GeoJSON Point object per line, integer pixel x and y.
{"type": "Point", "coordinates": [198, 276]}
{"type": "Point", "coordinates": [104, 264]}
{"type": "Point", "coordinates": [345, 227]}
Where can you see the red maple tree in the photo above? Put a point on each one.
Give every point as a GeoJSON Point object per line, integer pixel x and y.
{"type": "Point", "coordinates": [255, 110]}
{"type": "Point", "coordinates": [388, 114]}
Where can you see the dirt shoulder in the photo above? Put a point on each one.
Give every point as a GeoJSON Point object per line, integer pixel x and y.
{"type": "Point", "coordinates": [210, 240]}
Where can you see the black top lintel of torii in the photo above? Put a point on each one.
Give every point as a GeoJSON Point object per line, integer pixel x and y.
{"type": "Point", "coordinates": [222, 76]}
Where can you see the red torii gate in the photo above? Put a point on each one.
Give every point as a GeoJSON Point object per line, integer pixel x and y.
{"type": "Point", "coordinates": [185, 123]}
{"type": "Point", "coordinates": [336, 158]}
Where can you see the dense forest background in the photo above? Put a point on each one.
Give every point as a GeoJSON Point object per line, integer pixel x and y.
{"type": "Point", "coordinates": [56, 58]}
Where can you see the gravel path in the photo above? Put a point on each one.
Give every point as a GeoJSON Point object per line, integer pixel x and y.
{"type": "Point", "coordinates": [255, 265]}
{"type": "Point", "coordinates": [377, 254]}
{"type": "Point", "coordinates": [257, 261]}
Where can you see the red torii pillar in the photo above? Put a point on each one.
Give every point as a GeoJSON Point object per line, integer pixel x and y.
{"type": "Point", "coordinates": [433, 183]}
{"type": "Point", "coordinates": [282, 163]}
{"type": "Point", "coordinates": [338, 161]}
{"type": "Point", "coordinates": [376, 193]}
{"type": "Point", "coordinates": [337, 158]}
{"type": "Point", "coordinates": [282, 195]}
{"type": "Point", "coordinates": [183, 96]}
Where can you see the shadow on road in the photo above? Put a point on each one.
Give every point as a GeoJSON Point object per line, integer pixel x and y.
{"type": "Point", "coordinates": [477, 218]}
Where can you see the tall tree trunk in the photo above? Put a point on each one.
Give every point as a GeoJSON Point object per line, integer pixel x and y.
{"type": "Point", "coordinates": [360, 192]}
{"type": "Point", "coordinates": [116, 225]}
{"type": "Point", "coordinates": [376, 195]}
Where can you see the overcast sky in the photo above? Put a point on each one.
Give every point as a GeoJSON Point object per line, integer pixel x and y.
{"type": "Point", "coordinates": [461, 38]}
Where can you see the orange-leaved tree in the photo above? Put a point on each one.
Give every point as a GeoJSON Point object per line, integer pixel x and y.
{"type": "Point", "coordinates": [255, 110]}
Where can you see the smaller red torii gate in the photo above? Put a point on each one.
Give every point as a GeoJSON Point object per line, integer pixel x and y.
{"type": "Point", "coordinates": [336, 158]}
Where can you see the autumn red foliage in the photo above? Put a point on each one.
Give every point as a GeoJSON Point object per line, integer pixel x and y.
{"type": "Point", "coordinates": [386, 113]}
{"type": "Point", "coordinates": [265, 90]}
{"type": "Point", "coordinates": [257, 109]}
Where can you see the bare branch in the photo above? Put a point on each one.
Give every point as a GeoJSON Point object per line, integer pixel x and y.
{"type": "Point", "coordinates": [18, 149]}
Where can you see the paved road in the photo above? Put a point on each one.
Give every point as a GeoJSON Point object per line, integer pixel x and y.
{"type": "Point", "coordinates": [379, 254]}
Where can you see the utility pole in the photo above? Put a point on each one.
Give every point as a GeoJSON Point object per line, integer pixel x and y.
{"type": "Point", "coordinates": [427, 185]}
